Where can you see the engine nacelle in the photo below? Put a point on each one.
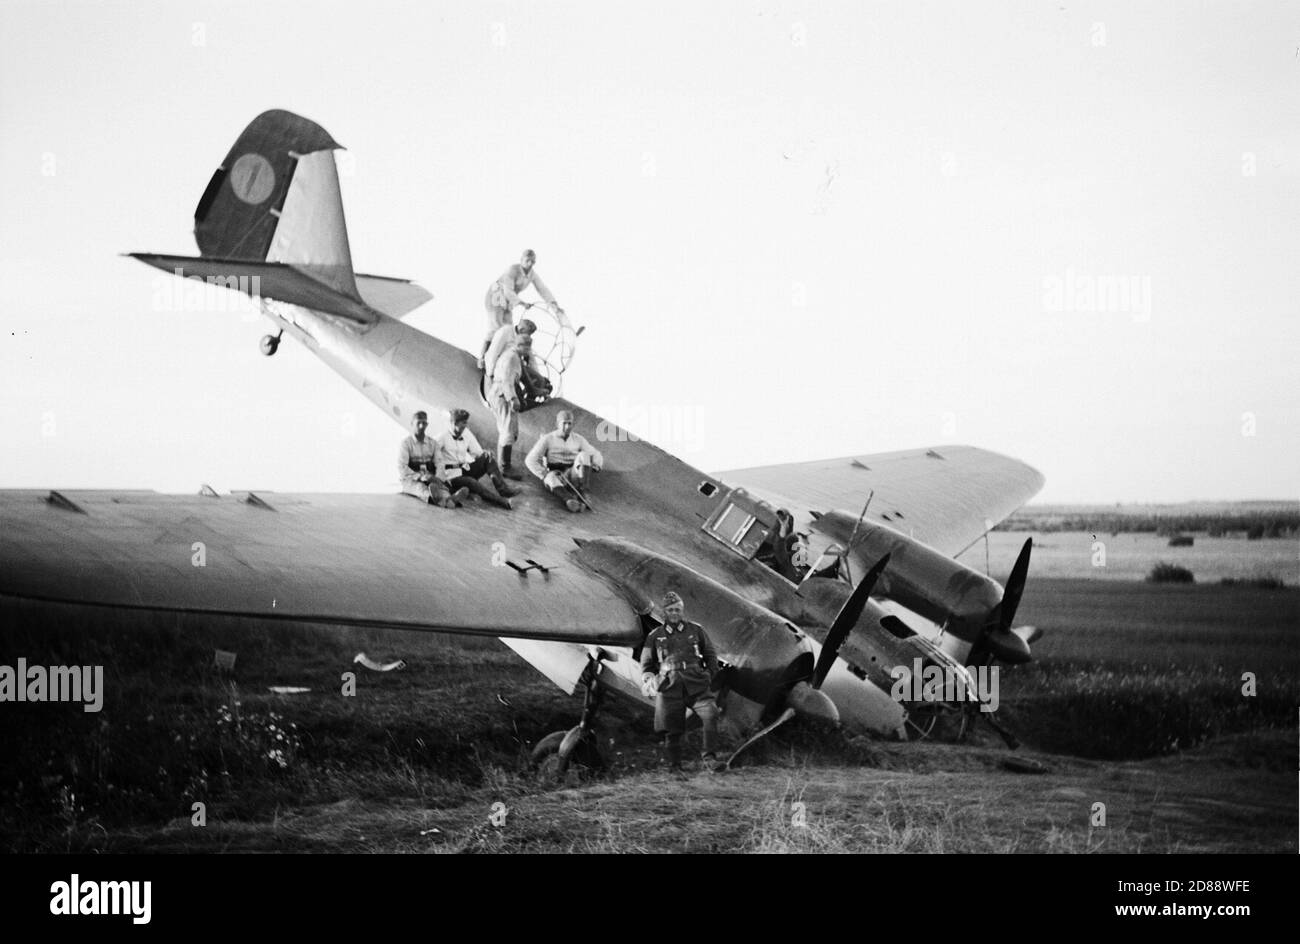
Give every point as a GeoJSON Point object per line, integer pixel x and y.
{"type": "Point", "coordinates": [926, 581]}
{"type": "Point", "coordinates": [768, 653]}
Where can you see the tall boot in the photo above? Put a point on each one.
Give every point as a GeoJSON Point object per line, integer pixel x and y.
{"type": "Point", "coordinates": [504, 463]}
{"type": "Point", "coordinates": [673, 752]}
{"type": "Point", "coordinates": [504, 488]}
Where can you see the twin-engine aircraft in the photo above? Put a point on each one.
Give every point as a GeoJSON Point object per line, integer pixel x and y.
{"type": "Point", "coordinates": [574, 595]}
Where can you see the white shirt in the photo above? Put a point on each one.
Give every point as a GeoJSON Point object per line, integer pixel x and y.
{"type": "Point", "coordinates": [554, 448]}
{"type": "Point", "coordinates": [456, 453]}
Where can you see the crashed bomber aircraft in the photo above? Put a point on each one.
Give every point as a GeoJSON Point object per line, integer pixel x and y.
{"type": "Point", "coordinates": [273, 211]}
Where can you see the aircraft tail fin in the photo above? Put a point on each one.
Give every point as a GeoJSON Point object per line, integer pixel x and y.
{"type": "Point", "coordinates": [275, 198]}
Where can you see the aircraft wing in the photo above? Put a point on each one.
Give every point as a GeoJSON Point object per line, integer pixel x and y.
{"type": "Point", "coordinates": [946, 497]}
{"type": "Point", "coordinates": [363, 560]}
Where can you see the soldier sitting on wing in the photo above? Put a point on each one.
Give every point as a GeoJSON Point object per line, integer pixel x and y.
{"type": "Point", "coordinates": [564, 461]}
{"type": "Point", "coordinates": [416, 467]}
{"type": "Point", "coordinates": [461, 462]}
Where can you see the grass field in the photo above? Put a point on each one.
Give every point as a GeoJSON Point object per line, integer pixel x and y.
{"type": "Point", "coordinates": [1127, 556]}
{"type": "Point", "coordinates": [1135, 702]}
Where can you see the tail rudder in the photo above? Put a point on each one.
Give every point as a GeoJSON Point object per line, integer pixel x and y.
{"type": "Point", "coordinates": [270, 222]}
{"type": "Point", "coordinates": [276, 198]}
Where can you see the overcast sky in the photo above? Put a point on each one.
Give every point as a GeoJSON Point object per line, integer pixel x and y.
{"type": "Point", "coordinates": [792, 230]}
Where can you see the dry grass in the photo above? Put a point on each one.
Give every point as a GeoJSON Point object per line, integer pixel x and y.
{"type": "Point", "coordinates": [417, 761]}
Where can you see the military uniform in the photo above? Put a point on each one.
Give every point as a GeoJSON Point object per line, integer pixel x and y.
{"type": "Point", "coordinates": [683, 662]}
{"type": "Point", "coordinates": [415, 459]}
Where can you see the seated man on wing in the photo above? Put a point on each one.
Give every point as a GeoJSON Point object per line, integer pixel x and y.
{"type": "Point", "coordinates": [461, 462]}
{"type": "Point", "coordinates": [416, 467]}
{"type": "Point", "coordinates": [564, 460]}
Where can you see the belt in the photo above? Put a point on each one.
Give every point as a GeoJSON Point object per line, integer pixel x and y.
{"type": "Point", "coordinates": [678, 665]}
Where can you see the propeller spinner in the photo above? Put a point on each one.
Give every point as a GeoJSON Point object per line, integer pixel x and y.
{"type": "Point", "coordinates": [805, 698]}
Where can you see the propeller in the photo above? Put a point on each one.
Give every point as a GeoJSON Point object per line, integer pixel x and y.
{"type": "Point", "coordinates": [845, 620]}
{"type": "Point", "coordinates": [805, 698]}
{"type": "Point", "coordinates": [1000, 641]}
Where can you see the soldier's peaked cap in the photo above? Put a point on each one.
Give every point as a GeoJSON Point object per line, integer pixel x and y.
{"type": "Point", "coordinates": [670, 598]}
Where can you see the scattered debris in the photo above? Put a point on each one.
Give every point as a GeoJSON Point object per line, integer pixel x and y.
{"type": "Point", "coordinates": [374, 666]}
{"type": "Point", "coordinates": [288, 689]}
{"type": "Point", "coordinates": [224, 660]}
{"type": "Point", "coordinates": [1025, 765]}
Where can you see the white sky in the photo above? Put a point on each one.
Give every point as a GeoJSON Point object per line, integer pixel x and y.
{"type": "Point", "coordinates": [792, 230]}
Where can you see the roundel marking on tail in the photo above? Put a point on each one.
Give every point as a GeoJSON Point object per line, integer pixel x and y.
{"type": "Point", "coordinates": [252, 178]}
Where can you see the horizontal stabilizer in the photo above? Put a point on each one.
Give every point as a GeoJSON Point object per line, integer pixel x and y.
{"type": "Point", "coordinates": [396, 298]}
{"type": "Point", "coordinates": [281, 281]}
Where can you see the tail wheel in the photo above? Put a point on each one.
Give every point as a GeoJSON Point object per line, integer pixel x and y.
{"type": "Point", "coordinates": [269, 344]}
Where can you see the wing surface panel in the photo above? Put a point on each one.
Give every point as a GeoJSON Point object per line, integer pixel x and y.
{"type": "Point", "coordinates": [946, 497]}
{"type": "Point", "coordinates": [365, 560]}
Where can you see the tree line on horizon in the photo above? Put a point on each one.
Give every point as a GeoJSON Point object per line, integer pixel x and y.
{"type": "Point", "coordinates": [1253, 526]}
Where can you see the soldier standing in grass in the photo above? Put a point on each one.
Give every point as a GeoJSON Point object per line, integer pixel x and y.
{"type": "Point", "coordinates": [678, 664]}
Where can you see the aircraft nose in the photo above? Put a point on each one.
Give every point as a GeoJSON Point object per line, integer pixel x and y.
{"type": "Point", "coordinates": [812, 704]}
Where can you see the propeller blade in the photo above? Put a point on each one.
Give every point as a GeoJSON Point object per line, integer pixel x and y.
{"type": "Point", "coordinates": [1015, 587]}
{"type": "Point", "coordinates": [845, 620]}
{"type": "Point", "coordinates": [785, 716]}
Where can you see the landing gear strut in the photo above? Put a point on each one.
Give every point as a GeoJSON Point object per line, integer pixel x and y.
{"type": "Point", "coordinates": [576, 749]}
{"type": "Point", "coordinates": [270, 343]}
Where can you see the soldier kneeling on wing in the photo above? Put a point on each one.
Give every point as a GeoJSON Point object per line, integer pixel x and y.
{"type": "Point", "coordinates": [678, 665]}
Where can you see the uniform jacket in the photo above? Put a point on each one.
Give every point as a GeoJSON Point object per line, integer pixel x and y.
{"type": "Point", "coordinates": [552, 448]}
{"type": "Point", "coordinates": [681, 650]}
{"type": "Point", "coordinates": [413, 457]}
{"type": "Point", "coordinates": [504, 292]}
